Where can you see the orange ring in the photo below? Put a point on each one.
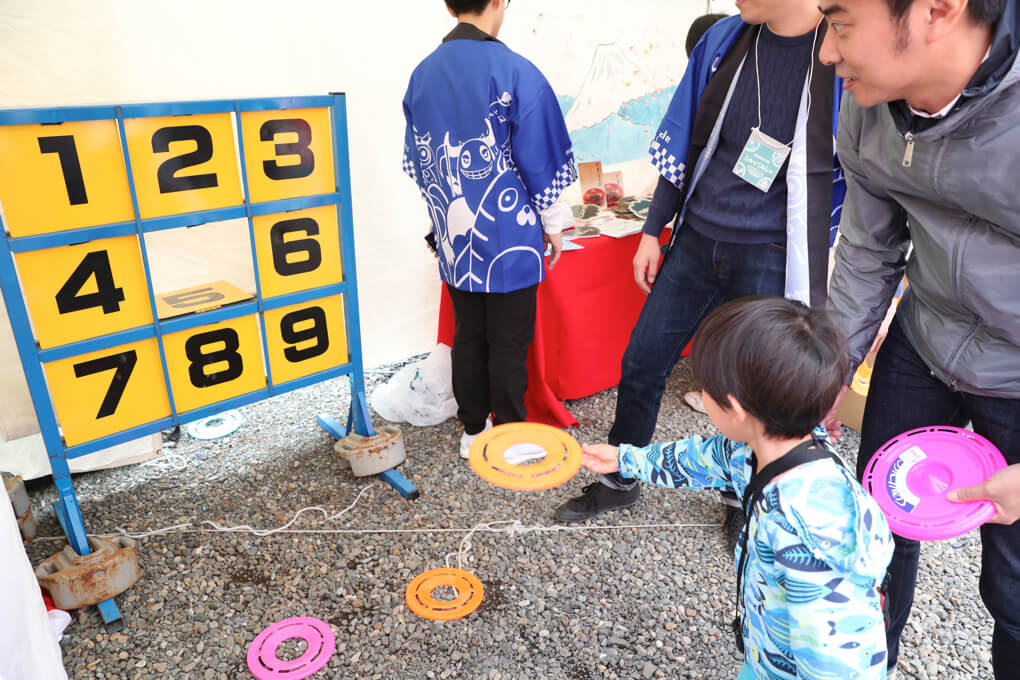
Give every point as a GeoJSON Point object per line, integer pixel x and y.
{"type": "Point", "coordinates": [561, 463]}
{"type": "Point", "coordinates": [419, 594]}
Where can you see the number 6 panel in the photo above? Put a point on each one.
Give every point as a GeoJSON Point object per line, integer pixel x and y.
{"type": "Point", "coordinates": [297, 250]}
{"type": "Point", "coordinates": [108, 391]}
{"type": "Point", "coordinates": [306, 338]}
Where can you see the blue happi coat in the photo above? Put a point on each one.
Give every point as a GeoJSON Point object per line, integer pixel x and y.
{"type": "Point", "coordinates": [488, 147]}
{"type": "Point", "coordinates": [815, 184]}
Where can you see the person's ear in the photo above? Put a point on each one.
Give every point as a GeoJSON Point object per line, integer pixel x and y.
{"type": "Point", "coordinates": [740, 414]}
{"type": "Point", "coordinates": [450, 10]}
{"type": "Point", "coordinates": [943, 16]}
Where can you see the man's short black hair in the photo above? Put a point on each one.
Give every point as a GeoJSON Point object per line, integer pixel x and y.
{"type": "Point", "coordinates": [783, 362]}
{"type": "Point", "coordinates": [467, 6]}
{"type": "Point", "coordinates": [981, 12]}
{"type": "Point", "coordinates": [698, 28]}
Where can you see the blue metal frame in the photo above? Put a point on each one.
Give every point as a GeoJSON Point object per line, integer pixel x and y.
{"type": "Point", "coordinates": [32, 358]}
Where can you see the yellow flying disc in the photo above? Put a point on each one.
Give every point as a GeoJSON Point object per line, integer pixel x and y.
{"type": "Point", "coordinates": [561, 463]}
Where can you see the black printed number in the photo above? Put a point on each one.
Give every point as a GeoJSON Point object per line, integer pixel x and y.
{"type": "Point", "coordinates": [212, 348]}
{"type": "Point", "coordinates": [282, 249]}
{"type": "Point", "coordinates": [193, 298]}
{"type": "Point", "coordinates": [169, 182]}
{"type": "Point", "coordinates": [70, 166]}
{"type": "Point", "coordinates": [107, 296]}
{"type": "Point", "coordinates": [292, 335]}
{"type": "Point", "coordinates": [122, 364]}
{"type": "Point", "coordinates": [304, 167]}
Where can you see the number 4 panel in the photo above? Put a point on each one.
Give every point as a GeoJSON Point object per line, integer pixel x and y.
{"type": "Point", "coordinates": [108, 391]}
{"type": "Point", "coordinates": [306, 338]}
{"type": "Point", "coordinates": [85, 290]}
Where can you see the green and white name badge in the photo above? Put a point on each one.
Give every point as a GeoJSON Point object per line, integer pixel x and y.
{"type": "Point", "coordinates": [761, 160]}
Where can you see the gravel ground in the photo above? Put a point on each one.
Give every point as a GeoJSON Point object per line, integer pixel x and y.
{"type": "Point", "coordinates": [597, 603]}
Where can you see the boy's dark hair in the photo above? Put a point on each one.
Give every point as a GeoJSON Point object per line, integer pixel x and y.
{"type": "Point", "coordinates": [783, 362]}
{"type": "Point", "coordinates": [698, 28]}
{"type": "Point", "coordinates": [467, 6]}
{"type": "Point", "coordinates": [981, 12]}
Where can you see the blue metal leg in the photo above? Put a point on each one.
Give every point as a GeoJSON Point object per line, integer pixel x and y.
{"type": "Point", "coordinates": [69, 515]}
{"type": "Point", "coordinates": [398, 481]}
{"type": "Point", "coordinates": [359, 419]}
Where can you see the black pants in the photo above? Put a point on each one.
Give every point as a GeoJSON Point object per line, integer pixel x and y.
{"type": "Point", "coordinates": [904, 395]}
{"type": "Point", "coordinates": [491, 336]}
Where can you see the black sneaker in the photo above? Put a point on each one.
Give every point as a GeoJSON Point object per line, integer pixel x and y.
{"type": "Point", "coordinates": [595, 499]}
{"type": "Point", "coordinates": [733, 525]}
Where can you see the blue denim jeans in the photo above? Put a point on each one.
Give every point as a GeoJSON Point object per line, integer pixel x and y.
{"type": "Point", "coordinates": [904, 394]}
{"type": "Point", "coordinates": [697, 276]}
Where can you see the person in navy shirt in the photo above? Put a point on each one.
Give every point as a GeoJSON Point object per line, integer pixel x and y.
{"type": "Point", "coordinates": [487, 145]}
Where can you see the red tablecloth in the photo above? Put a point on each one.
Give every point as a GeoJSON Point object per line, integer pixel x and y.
{"type": "Point", "coordinates": [587, 308]}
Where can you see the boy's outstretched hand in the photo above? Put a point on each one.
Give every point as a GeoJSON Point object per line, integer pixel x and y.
{"type": "Point", "coordinates": [600, 458]}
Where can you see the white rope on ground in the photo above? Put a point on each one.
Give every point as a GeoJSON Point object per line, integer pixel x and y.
{"type": "Point", "coordinates": [513, 527]}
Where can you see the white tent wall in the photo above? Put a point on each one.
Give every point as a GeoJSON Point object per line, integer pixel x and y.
{"type": "Point", "coordinates": [64, 52]}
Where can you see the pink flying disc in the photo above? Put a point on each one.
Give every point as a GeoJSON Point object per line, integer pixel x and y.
{"type": "Point", "coordinates": [911, 474]}
{"type": "Point", "coordinates": [264, 663]}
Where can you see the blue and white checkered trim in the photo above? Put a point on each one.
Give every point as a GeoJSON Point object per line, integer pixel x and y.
{"type": "Point", "coordinates": [565, 176]}
{"type": "Point", "coordinates": [667, 164]}
{"type": "Point", "coordinates": [409, 167]}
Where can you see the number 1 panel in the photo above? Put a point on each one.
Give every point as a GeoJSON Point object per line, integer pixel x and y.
{"type": "Point", "coordinates": [108, 391]}
{"type": "Point", "coordinates": [183, 164]}
{"type": "Point", "coordinates": [306, 338]}
{"type": "Point", "coordinates": [287, 154]}
{"type": "Point", "coordinates": [215, 362]}
{"type": "Point", "coordinates": [60, 177]}
{"type": "Point", "coordinates": [297, 250]}
{"type": "Point", "coordinates": [85, 290]}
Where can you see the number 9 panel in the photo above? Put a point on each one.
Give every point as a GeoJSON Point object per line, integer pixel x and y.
{"type": "Point", "coordinates": [287, 154]}
{"type": "Point", "coordinates": [306, 338]}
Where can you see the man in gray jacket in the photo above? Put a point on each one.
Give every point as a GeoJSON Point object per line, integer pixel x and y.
{"type": "Point", "coordinates": [931, 151]}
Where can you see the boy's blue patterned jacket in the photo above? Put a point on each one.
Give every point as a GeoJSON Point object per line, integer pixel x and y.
{"type": "Point", "coordinates": [818, 549]}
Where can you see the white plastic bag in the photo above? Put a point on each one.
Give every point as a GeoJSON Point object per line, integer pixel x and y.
{"type": "Point", "coordinates": [420, 393]}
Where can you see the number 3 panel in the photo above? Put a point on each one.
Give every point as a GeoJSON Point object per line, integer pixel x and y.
{"type": "Point", "coordinates": [59, 177]}
{"type": "Point", "coordinates": [86, 290]}
{"type": "Point", "coordinates": [306, 338]}
{"type": "Point", "coordinates": [108, 391]}
{"type": "Point", "coordinates": [214, 362]}
{"type": "Point", "coordinates": [297, 250]}
{"type": "Point", "coordinates": [288, 153]}
{"type": "Point", "coordinates": [183, 164]}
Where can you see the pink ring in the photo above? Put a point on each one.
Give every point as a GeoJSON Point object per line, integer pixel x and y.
{"type": "Point", "coordinates": [320, 643]}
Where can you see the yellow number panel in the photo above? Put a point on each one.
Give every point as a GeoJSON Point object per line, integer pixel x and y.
{"type": "Point", "coordinates": [198, 299]}
{"type": "Point", "coordinates": [306, 338]}
{"type": "Point", "coordinates": [85, 290]}
{"type": "Point", "coordinates": [287, 154]}
{"type": "Point", "coordinates": [183, 163]}
{"type": "Point", "coordinates": [59, 177]}
{"type": "Point", "coordinates": [109, 391]}
{"type": "Point", "coordinates": [215, 362]}
{"type": "Point", "coordinates": [297, 250]}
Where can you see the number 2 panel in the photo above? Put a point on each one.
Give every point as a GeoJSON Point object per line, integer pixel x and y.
{"type": "Point", "coordinates": [183, 164]}
{"type": "Point", "coordinates": [213, 363]}
{"type": "Point", "coordinates": [85, 290]}
{"type": "Point", "coordinates": [288, 153]}
{"type": "Point", "coordinates": [108, 391]}
{"type": "Point", "coordinates": [306, 338]}
{"type": "Point", "coordinates": [65, 176]}
{"type": "Point", "coordinates": [297, 250]}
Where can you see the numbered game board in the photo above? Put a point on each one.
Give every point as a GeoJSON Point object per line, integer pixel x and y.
{"type": "Point", "coordinates": [108, 358]}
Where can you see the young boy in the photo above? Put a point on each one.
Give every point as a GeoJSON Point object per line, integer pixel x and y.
{"type": "Point", "coordinates": [488, 147]}
{"type": "Point", "coordinates": [815, 547]}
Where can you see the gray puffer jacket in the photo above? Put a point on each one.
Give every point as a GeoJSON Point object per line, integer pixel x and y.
{"type": "Point", "coordinates": [953, 190]}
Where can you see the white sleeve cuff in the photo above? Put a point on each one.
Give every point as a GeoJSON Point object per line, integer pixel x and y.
{"type": "Point", "coordinates": [556, 218]}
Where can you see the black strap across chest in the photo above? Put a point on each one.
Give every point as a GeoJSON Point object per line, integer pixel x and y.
{"type": "Point", "coordinates": [805, 452]}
